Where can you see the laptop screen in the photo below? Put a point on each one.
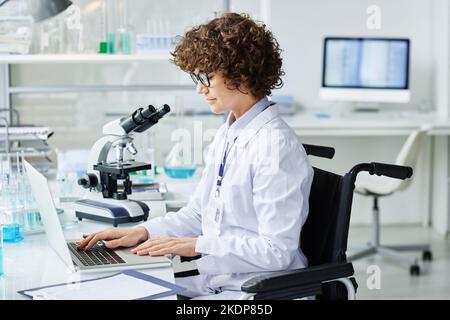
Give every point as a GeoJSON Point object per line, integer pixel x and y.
{"type": "Point", "coordinates": [49, 216]}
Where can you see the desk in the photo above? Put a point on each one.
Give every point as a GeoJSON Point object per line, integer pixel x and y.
{"type": "Point", "coordinates": [391, 124]}
{"type": "Point", "coordinates": [32, 263]}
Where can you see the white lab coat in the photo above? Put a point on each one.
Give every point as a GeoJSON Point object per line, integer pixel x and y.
{"type": "Point", "coordinates": [265, 193]}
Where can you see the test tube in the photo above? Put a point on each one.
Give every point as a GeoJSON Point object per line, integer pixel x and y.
{"type": "Point", "coordinates": [32, 211]}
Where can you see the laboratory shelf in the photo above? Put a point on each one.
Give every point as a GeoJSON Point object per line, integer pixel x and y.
{"type": "Point", "coordinates": [81, 58]}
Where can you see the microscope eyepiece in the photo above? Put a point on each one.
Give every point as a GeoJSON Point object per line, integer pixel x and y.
{"type": "Point", "coordinates": [142, 119]}
{"type": "Point", "coordinates": [147, 113]}
{"type": "Point", "coordinates": [154, 118]}
{"type": "Point", "coordinates": [165, 109]}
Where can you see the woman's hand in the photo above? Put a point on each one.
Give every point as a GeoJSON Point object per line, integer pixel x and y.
{"type": "Point", "coordinates": [167, 245]}
{"type": "Point", "coordinates": [116, 237]}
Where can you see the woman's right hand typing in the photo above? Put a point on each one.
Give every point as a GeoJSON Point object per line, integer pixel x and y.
{"type": "Point", "coordinates": [115, 237]}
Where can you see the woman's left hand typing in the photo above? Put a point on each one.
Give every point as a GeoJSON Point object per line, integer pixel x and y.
{"type": "Point", "coordinates": [160, 246]}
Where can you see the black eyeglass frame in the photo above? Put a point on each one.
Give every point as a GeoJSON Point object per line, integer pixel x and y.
{"type": "Point", "coordinates": [202, 77]}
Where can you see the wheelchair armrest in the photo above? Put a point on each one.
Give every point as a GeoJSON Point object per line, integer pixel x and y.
{"type": "Point", "coordinates": [187, 259]}
{"type": "Point", "coordinates": [299, 277]}
{"type": "Point", "coordinates": [188, 273]}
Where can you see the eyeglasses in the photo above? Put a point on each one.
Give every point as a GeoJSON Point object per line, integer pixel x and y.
{"type": "Point", "coordinates": [202, 77]}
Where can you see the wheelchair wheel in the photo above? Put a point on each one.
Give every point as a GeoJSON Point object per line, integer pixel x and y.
{"type": "Point", "coordinates": [427, 256]}
{"type": "Point", "coordinates": [414, 270]}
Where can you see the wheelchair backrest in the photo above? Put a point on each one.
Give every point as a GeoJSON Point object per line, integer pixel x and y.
{"type": "Point", "coordinates": [324, 235]}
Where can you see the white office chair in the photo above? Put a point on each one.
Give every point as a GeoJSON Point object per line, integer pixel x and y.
{"type": "Point", "coordinates": [376, 187]}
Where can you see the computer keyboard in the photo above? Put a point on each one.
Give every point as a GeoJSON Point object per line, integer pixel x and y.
{"type": "Point", "coordinates": [96, 256]}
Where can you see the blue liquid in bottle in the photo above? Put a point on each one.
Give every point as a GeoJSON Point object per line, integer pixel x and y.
{"type": "Point", "coordinates": [125, 43]}
{"type": "Point", "coordinates": [180, 172]}
{"type": "Point", "coordinates": [12, 232]}
{"type": "Point", "coordinates": [111, 43]}
{"type": "Point", "coordinates": [1, 261]}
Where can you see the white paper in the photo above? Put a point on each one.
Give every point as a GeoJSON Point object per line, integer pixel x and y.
{"type": "Point", "coordinates": [119, 287]}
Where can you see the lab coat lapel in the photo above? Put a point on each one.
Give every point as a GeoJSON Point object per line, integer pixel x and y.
{"type": "Point", "coordinates": [248, 133]}
{"type": "Point", "coordinates": [256, 124]}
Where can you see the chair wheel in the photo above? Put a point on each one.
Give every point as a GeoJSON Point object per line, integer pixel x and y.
{"type": "Point", "coordinates": [414, 270]}
{"type": "Point", "coordinates": [427, 256]}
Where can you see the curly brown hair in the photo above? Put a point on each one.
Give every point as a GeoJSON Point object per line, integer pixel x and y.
{"type": "Point", "coordinates": [244, 52]}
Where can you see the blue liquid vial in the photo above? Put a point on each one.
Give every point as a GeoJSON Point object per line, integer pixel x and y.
{"type": "Point", "coordinates": [12, 232]}
{"type": "Point", "coordinates": [1, 261]}
{"type": "Point", "coordinates": [180, 172]}
{"type": "Point", "coordinates": [1, 251]}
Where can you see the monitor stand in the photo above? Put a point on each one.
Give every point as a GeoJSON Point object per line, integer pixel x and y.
{"type": "Point", "coordinates": [361, 110]}
{"type": "Point", "coordinates": [365, 107]}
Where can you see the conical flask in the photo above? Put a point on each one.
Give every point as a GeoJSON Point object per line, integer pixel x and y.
{"type": "Point", "coordinates": [178, 164]}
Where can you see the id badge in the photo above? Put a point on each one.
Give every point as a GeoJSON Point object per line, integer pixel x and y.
{"type": "Point", "coordinates": [216, 210]}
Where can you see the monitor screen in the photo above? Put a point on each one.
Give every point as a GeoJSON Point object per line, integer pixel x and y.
{"type": "Point", "coordinates": [366, 63]}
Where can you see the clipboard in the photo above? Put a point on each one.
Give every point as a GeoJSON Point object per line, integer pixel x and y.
{"type": "Point", "coordinates": [171, 289]}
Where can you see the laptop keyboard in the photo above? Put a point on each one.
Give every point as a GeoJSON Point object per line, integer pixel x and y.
{"type": "Point", "coordinates": [98, 255]}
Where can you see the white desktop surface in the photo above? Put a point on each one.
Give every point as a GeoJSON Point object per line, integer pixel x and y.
{"type": "Point", "coordinates": [383, 123]}
{"type": "Point", "coordinates": [32, 263]}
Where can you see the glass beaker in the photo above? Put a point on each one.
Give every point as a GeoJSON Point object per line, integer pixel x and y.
{"type": "Point", "coordinates": [51, 36]}
{"type": "Point", "coordinates": [177, 164]}
{"type": "Point", "coordinates": [12, 212]}
{"type": "Point", "coordinates": [73, 31]}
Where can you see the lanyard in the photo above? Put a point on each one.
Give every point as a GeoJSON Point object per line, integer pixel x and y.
{"type": "Point", "coordinates": [222, 167]}
{"type": "Point", "coordinates": [224, 160]}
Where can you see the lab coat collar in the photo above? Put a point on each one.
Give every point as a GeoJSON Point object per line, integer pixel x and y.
{"type": "Point", "coordinates": [256, 124]}
{"type": "Point", "coordinates": [234, 130]}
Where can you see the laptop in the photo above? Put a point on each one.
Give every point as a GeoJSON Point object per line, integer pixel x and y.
{"type": "Point", "coordinates": [99, 258]}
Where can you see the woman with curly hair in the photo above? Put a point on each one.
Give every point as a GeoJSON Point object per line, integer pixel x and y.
{"type": "Point", "coordinates": [245, 216]}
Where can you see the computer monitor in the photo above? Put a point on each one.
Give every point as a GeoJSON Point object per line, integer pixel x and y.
{"type": "Point", "coordinates": [371, 70]}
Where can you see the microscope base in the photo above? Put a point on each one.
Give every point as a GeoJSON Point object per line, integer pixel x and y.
{"type": "Point", "coordinates": [111, 211]}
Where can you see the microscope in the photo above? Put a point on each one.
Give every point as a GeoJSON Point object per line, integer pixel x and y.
{"type": "Point", "coordinates": [103, 173]}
